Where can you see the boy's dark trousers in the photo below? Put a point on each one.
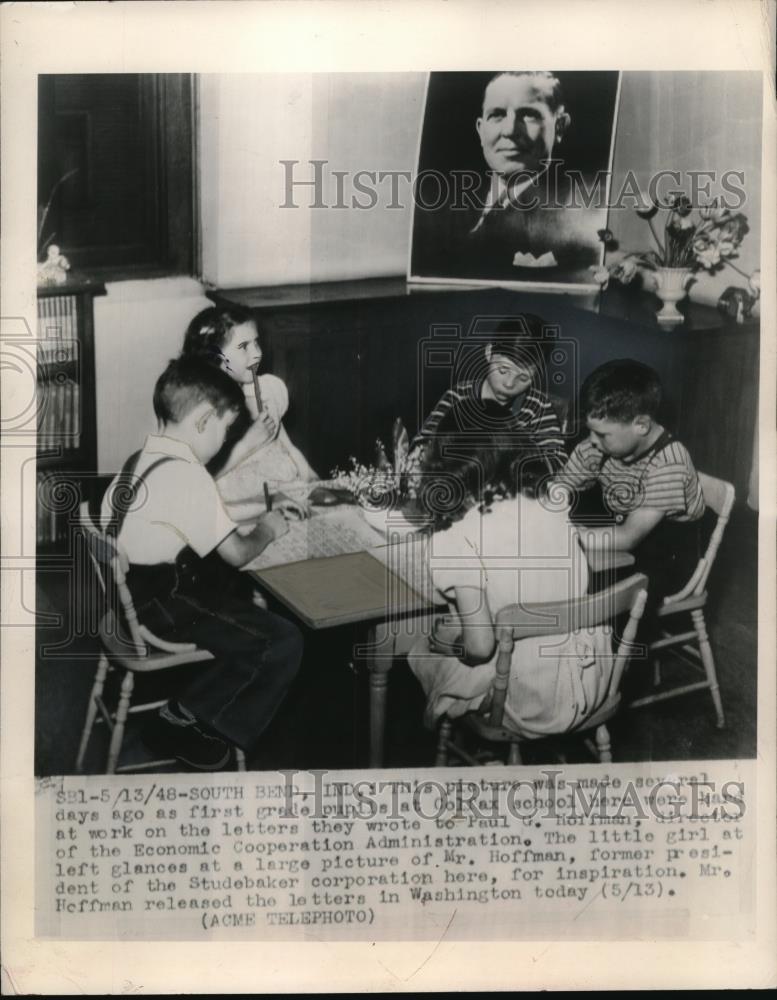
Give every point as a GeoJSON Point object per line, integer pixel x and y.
{"type": "Point", "coordinates": [257, 653]}
{"type": "Point", "coordinates": [667, 556]}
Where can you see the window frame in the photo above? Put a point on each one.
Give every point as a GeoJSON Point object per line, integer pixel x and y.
{"type": "Point", "coordinates": [168, 109]}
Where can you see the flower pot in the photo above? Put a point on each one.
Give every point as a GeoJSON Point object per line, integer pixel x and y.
{"type": "Point", "coordinates": [671, 288]}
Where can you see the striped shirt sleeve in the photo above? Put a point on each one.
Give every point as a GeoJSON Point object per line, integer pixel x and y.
{"type": "Point", "coordinates": [581, 469]}
{"type": "Point", "coordinates": [672, 485]}
{"type": "Point", "coordinates": [536, 420]}
{"type": "Point", "coordinates": [450, 398]}
{"type": "Point", "coordinates": [539, 418]}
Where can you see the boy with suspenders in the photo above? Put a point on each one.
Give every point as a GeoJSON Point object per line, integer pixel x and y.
{"type": "Point", "coordinates": [166, 513]}
{"type": "Point", "coordinates": [637, 475]}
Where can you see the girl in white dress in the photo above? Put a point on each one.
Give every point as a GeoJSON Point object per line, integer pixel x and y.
{"type": "Point", "coordinates": [503, 538]}
{"type": "Point", "coordinates": [263, 452]}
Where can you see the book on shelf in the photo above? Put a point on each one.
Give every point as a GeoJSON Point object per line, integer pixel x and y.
{"type": "Point", "coordinates": [65, 377]}
{"type": "Point", "coordinates": [57, 329]}
{"type": "Point", "coordinates": [51, 523]}
{"type": "Point", "coordinates": [58, 416]}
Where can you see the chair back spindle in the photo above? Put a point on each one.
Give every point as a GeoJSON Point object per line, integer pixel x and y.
{"type": "Point", "coordinates": [504, 657]}
{"type": "Point", "coordinates": [126, 644]}
{"type": "Point", "coordinates": [118, 626]}
{"type": "Point", "coordinates": [626, 644]}
{"type": "Point", "coordinates": [719, 496]}
{"type": "Point", "coordinates": [518, 621]}
{"type": "Point", "coordinates": [692, 645]}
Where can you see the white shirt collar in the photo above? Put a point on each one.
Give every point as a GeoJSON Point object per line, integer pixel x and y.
{"type": "Point", "coordinates": [498, 195]}
{"type": "Point", "coordinates": [162, 444]}
{"type": "Point", "coordinates": [499, 190]}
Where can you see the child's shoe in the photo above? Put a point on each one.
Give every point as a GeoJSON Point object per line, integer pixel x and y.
{"type": "Point", "coordinates": [176, 733]}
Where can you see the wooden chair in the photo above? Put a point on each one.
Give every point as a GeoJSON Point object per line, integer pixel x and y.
{"type": "Point", "coordinates": [694, 643]}
{"type": "Point", "coordinates": [519, 622]}
{"type": "Point", "coordinates": [127, 646]}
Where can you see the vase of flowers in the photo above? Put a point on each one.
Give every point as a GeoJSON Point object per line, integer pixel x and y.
{"type": "Point", "coordinates": [671, 286]}
{"type": "Point", "coordinates": [687, 244]}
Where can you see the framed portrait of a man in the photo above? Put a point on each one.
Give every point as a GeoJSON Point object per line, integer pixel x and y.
{"type": "Point", "coordinates": [513, 178]}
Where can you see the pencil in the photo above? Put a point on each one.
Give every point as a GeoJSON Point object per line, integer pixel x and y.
{"type": "Point", "coordinates": [267, 497]}
{"type": "Point", "coordinates": [257, 388]}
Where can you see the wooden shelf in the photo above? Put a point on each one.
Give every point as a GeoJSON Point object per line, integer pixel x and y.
{"type": "Point", "coordinates": [71, 407]}
{"type": "Point", "coordinates": [617, 302]}
{"type": "Point", "coordinates": [294, 296]}
{"type": "Point", "coordinates": [48, 370]}
{"type": "Point", "coordinates": [69, 460]}
{"type": "Point", "coordinates": [75, 285]}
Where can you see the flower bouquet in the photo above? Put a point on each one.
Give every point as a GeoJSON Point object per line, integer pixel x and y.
{"type": "Point", "coordinates": [388, 483]}
{"type": "Point", "coordinates": [687, 244]}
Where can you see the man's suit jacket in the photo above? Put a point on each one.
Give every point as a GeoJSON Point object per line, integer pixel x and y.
{"type": "Point", "coordinates": [453, 242]}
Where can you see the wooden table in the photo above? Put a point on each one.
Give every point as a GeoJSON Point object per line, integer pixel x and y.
{"type": "Point", "coordinates": [359, 588]}
{"type": "Point", "coordinates": [382, 589]}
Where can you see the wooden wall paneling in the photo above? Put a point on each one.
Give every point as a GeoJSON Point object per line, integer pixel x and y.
{"type": "Point", "coordinates": [720, 402]}
{"type": "Point", "coordinates": [336, 397]}
{"type": "Point", "coordinates": [386, 346]}
{"type": "Point", "coordinates": [286, 348]}
{"type": "Point", "coordinates": [357, 356]}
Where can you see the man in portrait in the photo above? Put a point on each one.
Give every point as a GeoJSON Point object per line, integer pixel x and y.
{"type": "Point", "coordinates": [525, 216]}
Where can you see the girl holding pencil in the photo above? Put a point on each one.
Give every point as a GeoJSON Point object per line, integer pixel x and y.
{"type": "Point", "coordinates": [263, 452]}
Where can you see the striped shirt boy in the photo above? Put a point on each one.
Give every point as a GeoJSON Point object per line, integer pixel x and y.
{"type": "Point", "coordinates": [530, 417]}
{"type": "Point", "coordinates": [664, 479]}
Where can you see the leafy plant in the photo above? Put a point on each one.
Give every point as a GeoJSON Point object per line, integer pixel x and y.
{"type": "Point", "coordinates": [707, 242]}
{"type": "Point", "coordinates": [387, 482]}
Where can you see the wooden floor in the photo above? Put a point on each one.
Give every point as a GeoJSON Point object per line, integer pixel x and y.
{"type": "Point", "coordinates": [323, 723]}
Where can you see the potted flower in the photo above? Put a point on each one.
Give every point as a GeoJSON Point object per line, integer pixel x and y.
{"type": "Point", "coordinates": [707, 242]}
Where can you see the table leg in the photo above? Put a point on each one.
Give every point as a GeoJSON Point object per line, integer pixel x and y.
{"type": "Point", "coordinates": [379, 667]}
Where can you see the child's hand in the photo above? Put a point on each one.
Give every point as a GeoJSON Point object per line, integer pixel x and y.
{"type": "Point", "coordinates": [275, 522]}
{"type": "Point", "coordinates": [446, 638]}
{"type": "Point", "coordinates": [258, 599]}
{"type": "Point", "coordinates": [269, 425]}
{"type": "Point", "coordinates": [290, 508]}
{"type": "Point", "coordinates": [261, 432]}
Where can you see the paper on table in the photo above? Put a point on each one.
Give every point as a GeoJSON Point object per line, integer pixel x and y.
{"type": "Point", "coordinates": [329, 532]}
{"type": "Point", "coordinates": [409, 558]}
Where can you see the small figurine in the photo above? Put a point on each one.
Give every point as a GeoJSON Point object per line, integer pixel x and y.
{"type": "Point", "coordinates": [736, 303]}
{"type": "Point", "coordinates": [53, 271]}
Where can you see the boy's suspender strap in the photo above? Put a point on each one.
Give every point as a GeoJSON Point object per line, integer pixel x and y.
{"type": "Point", "coordinates": [125, 492]}
{"type": "Point", "coordinates": [656, 448]}
{"type": "Point", "coordinates": [666, 438]}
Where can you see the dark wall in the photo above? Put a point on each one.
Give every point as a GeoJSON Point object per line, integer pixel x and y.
{"type": "Point", "coordinates": [352, 367]}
